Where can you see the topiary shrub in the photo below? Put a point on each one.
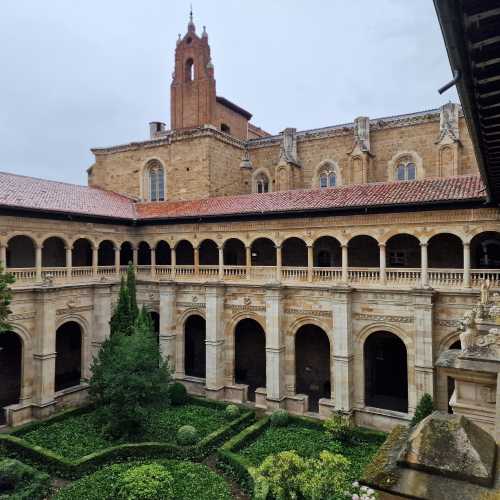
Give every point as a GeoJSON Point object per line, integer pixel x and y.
{"type": "Point", "coordinates": [187, 435]}
{"type": "Point", "coordinates": [177, 394]}
{"type": "Point", "coordinates": [19, 481]}
{"type": "Point", "coordinates": [232, 411]}
{"type": "Point", "coordinates": [339, 427]}
{"type": "Point", "coordinates": [279, 418]}
{"type": "Point", "coordinates": [424, 408]}
{"type": "Point", "coordinates": [145, 482]}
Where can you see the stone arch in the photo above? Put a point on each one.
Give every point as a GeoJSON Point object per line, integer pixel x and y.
{"type": "Point", "coordinates": [403, 250]}
{"type": "Point", "coordinates": [11, 370]}
{"type": "Point", "coordinates": [21, 251]}
{"type": "Point", "coordinates": [143, 254]}
{"type": "Point", "coordinates": [485, 250]}
{"type": "Point", "coordinates": [294, 252]}
{"type": "Point", "coordinates": [407, 156]}
{"type": "Point", "coordinates": [106, 253]}
{"type": "Point", "coordinates": [327, 252]}
{"type": "Point", "coordinates": [69, 355]}
{"type": "Point", "coordinates": [363, 251]}
{"type": "Point", "coordinates": [445, 250]}
{"type": "Point", "coordinates": [208, 252]}
{"type": "Point", "coordinates": [54, 251]}
{"type": "Point", "coordinates": [163, 253]}
{"type": "Point", "coordinates": [263, 252]}
{"type": "Point", "coordinates": [234, 252]}
{"type": "Point", "coordinates": [259, 174]}
{"type": "Point", "coordinates": [184, 253]}
{"type": "Point", "coordinates": [81, 252]}
{"type": "Point", "coordinates": [126, 253]}
{"type": "Point", "coordinates": [326, 166]}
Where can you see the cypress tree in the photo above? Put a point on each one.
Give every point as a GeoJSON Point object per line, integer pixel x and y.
{"type": "Point", "coordinates": [132, 291]}
{"type": "Point", "coordinates": [121, 321]}
{"type": "Point", "coordinates": [424, 408]}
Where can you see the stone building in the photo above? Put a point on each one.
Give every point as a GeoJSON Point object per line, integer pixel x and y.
{"type": "Point", "coordinates": [313, 270]}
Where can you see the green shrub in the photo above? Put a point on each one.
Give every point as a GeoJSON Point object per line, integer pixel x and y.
{"type": "Point", "coordinates": [279, 418]}
{"type": "Point", "coordinates": [187, 435]}
{"type": "Point", "coordinates": [282, 472]}
{"type": "Point", "coordinates": [424, 408]}
{"type": "Point", "coordinates": [177, 394]}
{"type": "Point", "coordinates": [339, 428]}
{"type": "Point", "coordinates": [145, 482]}
{"type": "Point", "coordinates": [19, 481]}
{"type": "Point", "coordinates": [232, 411]}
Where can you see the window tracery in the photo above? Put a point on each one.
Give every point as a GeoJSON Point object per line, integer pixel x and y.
{"type": "Point", "coordinates": [156, 178]}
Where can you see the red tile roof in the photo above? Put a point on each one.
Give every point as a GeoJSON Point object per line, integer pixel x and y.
{"type": "Point", "coordinates": [29, 193]}
{"type": "Point", "coordinates": [427, 191]}
{"type": "Point", "coordinates": [18, 191]}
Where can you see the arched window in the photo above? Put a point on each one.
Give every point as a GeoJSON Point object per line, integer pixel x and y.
{"type": "Point", "coordinates": [262, 183]}
{"type": "Point", "coordinates": [327, 175]}
{"type": "Point", "coordinates": [189, 70]}
{"type": "Point", "coordinates": [156, 178]}
{"type": "Point", "coordinates": [406, 170]}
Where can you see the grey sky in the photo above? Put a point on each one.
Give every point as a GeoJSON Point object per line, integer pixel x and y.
{"type": "Point", "coordinates": [81, 74]}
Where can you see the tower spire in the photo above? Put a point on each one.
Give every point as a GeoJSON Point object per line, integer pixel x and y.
{"type": "Point", "coordinates": [191, 26]}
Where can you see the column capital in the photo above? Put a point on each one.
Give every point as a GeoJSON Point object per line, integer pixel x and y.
{"type": "Point", "coordinates": [466, 244]}
{"type": "Point", "coordinates": [68, 247]}
{"type": "Point", "coordinates": [424, 243]}
{"type": "Point", "coordinates": [382, 245]}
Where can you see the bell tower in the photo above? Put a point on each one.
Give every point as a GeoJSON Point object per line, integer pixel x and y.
{"type": "Point", "coordinates": [192, 92]}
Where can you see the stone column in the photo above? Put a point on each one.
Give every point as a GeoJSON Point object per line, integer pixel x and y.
{"type": "Point", "coordinates": [467, 265]}
{"type": "Point", "coordinates": [95, 260]}
{"type": "Point", "coordinates": [497, 419]}
{"type": "Point", "coordinates": [248, 260]}
{"type": "Point", "coordinates": [221, 262]}
{"type": "Point", "coordinates": [196, 260]}
{"type": "Point", "coordinates": [275, 348]}
{"type": "Point", "coordinates": [173, 261]}
{"type": "Point", "coordinates": [345, 264]}
{"type": "Point", "coordinates": [214, 380]}
{"type": "Point", "coordinates": [38, 262]}
{"type": "Point", "coordinates": [117, 260]}
{"type": "Point", "coordinates": [3, 255]}
{"type": "Point", "coordinates": [168, 322]}
{"type": "Point", "coordinates": [44, 351]}
{"type": "Point", "coordinates": [101, 316]}
{"type": "Point", "coordinates": [310, 263]}
{"type": "Point", "coordinates": [424, 265]}
{"type": "Point", "coordinates": [135, 255]}
{"type": "Point", "coordinates": [278, 263]}
{"type": "Point", "coordinates": [383, 277]}
{"type": "Point", "coordinates": [424, 358]}
{"type": "Point", "coordinates": [342, 359]}
{"type": "Point", "coordinates": [69, 261]}
{"type": "Point", "coordinates": [153, 262]}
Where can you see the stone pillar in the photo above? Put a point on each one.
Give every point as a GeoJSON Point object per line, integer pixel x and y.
{"type": "Point", "coordinates": [310, 263]}
{"type": "Point", "coordinates": [117, 260]}
{"type": "Point", "coordinates": [44, 355]}
{"type": "Point", "coordinates": [424, 265]}
{"type": "Point", "coordinates": [424, 358]}
{"type": "Point", "coordinates": [221, 262]}
{"type": "Point", "coordinates": [135, 255]}
{"type": "Point", "coordinates": [248, 260]}
{"type": "Point", "coordinates": [38, 262]}
{"type": "Point", "coordinates": [342, 359]}
{"type": "Point", "coordinates": [173, 261]}
{"type": "Point", "coordinates": [383, 277]}
{"type": "Point", "coordinates": [214, 380]}
{"type": "Point", "coordinates": [95, 260]}
{"type": "Point", "coordinates": [345, 264]}
{"type": "Point", "coordinates": [278, 263]}
{"type": "Point", "coordinates": [467, 265]}
{"type": "Point", "coordinates": [275, 348]}
{"type": "Point", "coordinates": [168, 322]}
{"type": "Point", "coordinates": [196, 260]}
{"type": "Point", "coordinates": [101, 316]}
{"type": "Point", "coordinates": [497, 417]}
{"type": "Point", "coordinates": [69, 261]}
{"type": "Point", "coordinates": [153, 262]}
{"type": "Point", "coordinates": [3, 255]}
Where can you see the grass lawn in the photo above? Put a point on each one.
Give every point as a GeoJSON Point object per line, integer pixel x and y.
{"type": "Point", "coordinates": [80, 435]}
{"type": "Point", "coordinates": [309, 442]}
{"type": "Point", "coordinates": [191, 481]}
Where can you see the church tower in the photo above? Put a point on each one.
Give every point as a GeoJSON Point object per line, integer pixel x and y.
{"type": "Point", "coordinates": [192, 92]}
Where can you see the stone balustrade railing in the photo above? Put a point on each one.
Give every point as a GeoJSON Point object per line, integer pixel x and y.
{"type": "Point", "coordinates": [361, 276]}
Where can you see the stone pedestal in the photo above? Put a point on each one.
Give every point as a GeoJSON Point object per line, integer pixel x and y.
{"type": "Point", "coordinates": [297, 404]}
{"type": "Point", "coordinates": [260, 397]}
{"type": "Point", "coordinates": [214, 341]}
{"type": "Point", "coordinates": [326, 407]}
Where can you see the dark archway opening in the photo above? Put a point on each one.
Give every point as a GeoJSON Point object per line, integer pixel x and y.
{"type": "Point", "coordinates": [155, 318]}
{"type": "Point", "coordinates": [250, 355]}
{"type": "Point", "coordinates": [194, 347]}
{"type": "Point", "coordinates": [21, 252]}
{"type": "Point", "coordinates": [11, 354]}
{"type": "Point", "coordinates": [327, 252]}
{"type": "Point", "coordinates": [82, 253]}
{"type": "Point", "coordinates": [312, 364]}
{"type": "Point", "coordinates": [184, 253]}
{"type": "Point", "coordinates": [363, 251]}
{"type": "Point", "coordinates": [69, 356]}
{"type": "Point", "coordinates": [54, 252]}
{"type": "Point", "coordinates": [209, 253]}
{"type": "Point", "coordinates": [294, 253]}
{"type": "Point", "coordinates": [234, 253]}
{"type": "Point", "coordinates": [485, 251]}
{"type": "Point", "coordinates": [445, 251]}
{"type": "Point", "coordinates": [403, 250]}
{"type": "Point", "coordinates": [126, 254]}
{"type": "Point", "coordinates": [106, 254]}
{"type": "Point", "coordinates": [163, 254]}
{"type": "Point", "coordinates": [386, 372]}
{"type": "Point", "coordinates": [263, 252]}
{"type": "Point", "coordinates": [143, 254]}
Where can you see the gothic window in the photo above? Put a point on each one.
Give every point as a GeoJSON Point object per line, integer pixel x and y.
{"type": "Point", "coordinates": [262, 183]}
{"type": "Point", "coordinates": [189, 70]}
{"type": "Point", "coordinates": [156, 182]}
{"type": "Point", "coordinates": [406, 170]}
{"type": "Point", "coordinates": [327, 178]}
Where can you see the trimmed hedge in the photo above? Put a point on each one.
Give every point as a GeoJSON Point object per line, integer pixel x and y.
{"type": "Point", "coordinates": [16, 447]}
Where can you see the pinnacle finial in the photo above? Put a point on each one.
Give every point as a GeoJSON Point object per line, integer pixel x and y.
{"type": "Point", "coordinates": [191, 22]}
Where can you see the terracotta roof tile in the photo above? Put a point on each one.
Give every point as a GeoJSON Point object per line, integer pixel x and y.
{"type": "Point", "coordinates": [380, 194]}
{"type": "Point", "coordinates": [18, 191]}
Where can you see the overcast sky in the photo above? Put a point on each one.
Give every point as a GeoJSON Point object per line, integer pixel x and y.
{"type": "Point", "coordinates": [82, 74]}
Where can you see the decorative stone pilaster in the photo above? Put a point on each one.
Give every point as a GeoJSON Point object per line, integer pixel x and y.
{"type": "Point", "coordinates": [44, 355]}
{"type": "Point", "coordinates": [342, 359]}
{"type": "Point", "coordinates": [168, 321]}
{"type": "Point", "coordinates": [345, 263]}
{"type": "Point", "coordinates": [214, 300]}
{"type": "Point", "coordinates": [424, 358]}
{"type": "Point", "coordinates": [38, 262]}
{"type": "Point", "coordinates": [101, 317]}
{"type": "Point", "coordinates": [275, 348]}
{"type": "Point", "coordinates": [467, 265]}
{"type": "Point", "coordinates": [3, 255]}
{"type": "Point", "coordinates": [69, 261]}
